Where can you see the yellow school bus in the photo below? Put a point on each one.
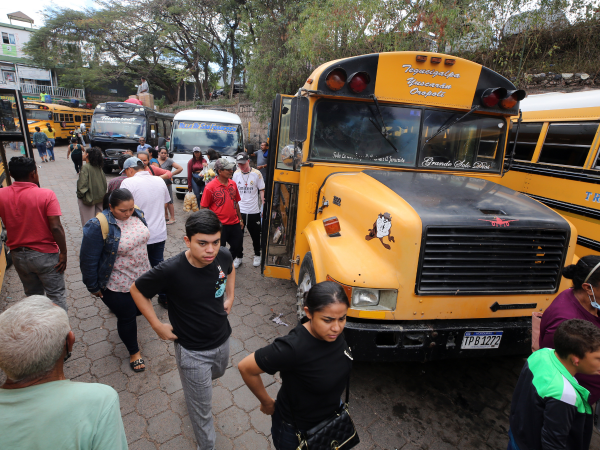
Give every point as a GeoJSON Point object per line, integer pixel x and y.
{"type": "Point", "coordinates": [555, 160]}
{"type": "Point", "coordinates": [383, 177]}
{"type": "Point", "coordinates": [63, 119]}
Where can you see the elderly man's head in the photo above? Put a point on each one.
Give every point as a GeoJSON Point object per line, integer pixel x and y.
{"type": "Point", "coordinates": [33, 338]}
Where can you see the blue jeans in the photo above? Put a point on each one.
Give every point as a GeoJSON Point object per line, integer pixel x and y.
{"type": "Point", "coordinates": [197, 188]}
{"type": "Point", "coordinates": [283, 434]}
{"type": "Point", "coordinates": [50, 150]}
{"type": "Point", "coordinates": [512, 445]}
{"type": "Point", "coordinates": [41, 149]}
{"type": "Point", "coordinates": [156, 253]}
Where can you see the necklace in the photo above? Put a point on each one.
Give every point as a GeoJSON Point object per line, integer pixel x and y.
{"type": "Point", "coordinates": [246, 178]}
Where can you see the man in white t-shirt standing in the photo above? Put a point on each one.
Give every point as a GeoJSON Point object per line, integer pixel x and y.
{"type": "Point", "coordinates": [151, 195]}
{"type": "Point", "coordinates": [251, 186]}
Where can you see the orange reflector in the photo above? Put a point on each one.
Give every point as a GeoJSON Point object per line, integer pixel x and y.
{"type": "Point", "coordinates": [436, 60]}
{"type": "Point", "coordinates": [449, 62]}
{"type": "Point", "coordinates": [309, 81]}
{"type": "Point", "coordinates": [421, 58]}
{"type": "Point", "coordinates": [512, 98]}
{"type": "Point", "coordinates": [336, 79]}
{"type": "Point", "coordinates": [332, 226]}
{"type": "Point", "coordinates": [347, 289]}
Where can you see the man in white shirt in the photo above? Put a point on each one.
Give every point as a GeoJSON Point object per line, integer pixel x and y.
{"type": "Point", "coordinates": [143, 87]}
{"type": "Point", "coordinates": [251, 186]}
{"type": "Point", "coordinates": [150, 194]}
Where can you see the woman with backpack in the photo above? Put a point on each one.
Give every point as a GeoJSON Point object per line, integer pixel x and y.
{"type": "Point", "coordinates": [76, 152]}
{"type": "Point", "coordinates": [113, 254]}
{"type": "Point", "coordinates": [91, 185]}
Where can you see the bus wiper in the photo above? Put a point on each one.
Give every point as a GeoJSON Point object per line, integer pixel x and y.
{"type": "Point", "coordinates": [445, 127]}
{"type": "Point", "coordinates": [381, 128]}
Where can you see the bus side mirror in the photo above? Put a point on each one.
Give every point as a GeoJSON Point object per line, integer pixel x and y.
{"type": "Point", "coordinates": [299, 119]}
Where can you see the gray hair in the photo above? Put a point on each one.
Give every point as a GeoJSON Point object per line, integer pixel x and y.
{"type": "Point", "coordinates": [32, 337]}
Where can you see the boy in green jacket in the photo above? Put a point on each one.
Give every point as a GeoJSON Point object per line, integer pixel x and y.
{"type": "Point", "coordinates": [550, 410]}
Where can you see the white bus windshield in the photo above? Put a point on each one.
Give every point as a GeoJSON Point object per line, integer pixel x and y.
{"type": "Point", "coordinates": [118, 126]}
{"type": "Point", "coordinates": [223, 137]}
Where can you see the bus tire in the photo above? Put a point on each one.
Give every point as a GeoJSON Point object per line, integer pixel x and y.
{"type": "Point", "coordinates": [107, 170]}
{"type": "Point", "coordinates": [306, 280]}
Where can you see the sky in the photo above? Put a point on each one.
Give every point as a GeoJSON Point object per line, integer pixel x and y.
{"type": "Point", "coordinates": [34, 8]}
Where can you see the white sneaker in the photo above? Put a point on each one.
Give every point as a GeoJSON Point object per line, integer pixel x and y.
{"type": "Point", "coordinates": [256, 261]}
{"type": "Point", "coordinates": [237, 262]}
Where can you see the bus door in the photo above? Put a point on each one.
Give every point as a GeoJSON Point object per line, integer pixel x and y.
{"type": "Point", "coordinates": [281, 195]}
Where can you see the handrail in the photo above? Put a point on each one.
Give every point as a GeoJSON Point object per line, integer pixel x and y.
{"type": "Point", "coordinates": [53, 91]}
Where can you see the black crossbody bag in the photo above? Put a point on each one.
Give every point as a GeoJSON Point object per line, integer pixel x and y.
{"type": "Point", "coordinates": [336, 433]}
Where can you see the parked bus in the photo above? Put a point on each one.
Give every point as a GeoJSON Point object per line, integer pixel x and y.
{"type": "Point", "coordinates": [63, 119]}
{"type": "Point", "coordinates": [556, 160]}
{"type": "Point", "coordinates": [383, 177]}
{"type": "Point", "coordinates": [219, 130]}
{"type": "Point", "coordinates": [118, 126]}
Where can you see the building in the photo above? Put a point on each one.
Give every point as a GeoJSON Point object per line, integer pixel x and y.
{"type": "Point", "coordinates": [16, 69]}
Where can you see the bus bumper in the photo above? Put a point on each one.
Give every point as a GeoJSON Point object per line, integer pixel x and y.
{"type": "Point", "coordinates": [432, 340]}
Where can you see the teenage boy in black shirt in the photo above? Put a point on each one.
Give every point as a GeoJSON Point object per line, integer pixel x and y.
{"type": "Point", "coordinates": [199, 284]}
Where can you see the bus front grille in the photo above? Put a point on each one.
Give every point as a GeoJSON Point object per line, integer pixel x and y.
{"type": "Point", "coordinates": [467, 261]}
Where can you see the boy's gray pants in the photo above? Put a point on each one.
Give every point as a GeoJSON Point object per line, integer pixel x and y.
{"type": "Point", "coordinates": [197, 369]}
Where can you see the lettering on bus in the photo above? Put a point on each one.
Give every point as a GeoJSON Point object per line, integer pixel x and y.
{"type": "Point", "coordinates": [429, 161]}
{"type": "Point", "coordinates": [412, 81]}
{"type": "Point", "coordinates": [595, 198]}
{"type": "Point", "coordinates": [212, 127]}
{"type": "Point", "coordinates": [338, 155]}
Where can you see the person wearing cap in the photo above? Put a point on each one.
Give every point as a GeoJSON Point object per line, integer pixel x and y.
{"type": "Point", "coordinates": [578, 302]}
{"type": "Point", "coordinates": [115, 183]}
{"type": "Point", "coordinates": [150, 195]}
{"type": "Point", "coordinates": [222, 197]}
{"type": "Point", "coordinates": [195, 167]}
{"type": "Point", "coordinates": [251, 186]}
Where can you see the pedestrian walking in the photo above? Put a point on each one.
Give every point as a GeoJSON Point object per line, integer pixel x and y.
{"type": "Point", "coordinates": [222, 197]}
{"type": "Point", "coordinates": [549, 409]}
{"type": "Point", "coordinates": [76, 153]}
{"type": "Point", "coordinates": [200, 285]}
{"type": "Point", "coordinates": [167, 163]}
{"type": "Point", "coordinates": [51, 135]}
{"type": "Point", "coordinates": [143, 146]}
{"type": "Point", "coordinates": [112, 259]}
{"type": "Point", "coordinates": [91, 185]}
{"type": "Point", "coordinates": [195, 168]}
{"type": "Point", "coordinates": [115, 183]}
{"type": "Point", "coordinates": [314, 362]}
{"type": "Point", "coordinates": [39, 140]}
{"type": "Point", "coordinates": [150, 195]}
{"type": "Point", "coordinates": [39, 407]}
{"type": "Point", "coordinates": [35, 234]}
{"type": "Point", "coordinates": [251, 187]}
{"type": "Point", "coordinates": [578, 302]}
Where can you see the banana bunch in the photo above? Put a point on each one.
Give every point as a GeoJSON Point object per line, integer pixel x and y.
{"type": "Point", "coordinates": [190, 203]}
{"type": "Point", "coordinates": [209, 175]}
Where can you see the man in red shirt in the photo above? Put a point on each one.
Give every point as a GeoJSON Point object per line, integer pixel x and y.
{"type": "Point", "coordinates": [221, 196]}
{"type": "Point", "coordinates": [35, 235]}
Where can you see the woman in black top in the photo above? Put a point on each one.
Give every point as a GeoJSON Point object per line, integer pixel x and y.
{"type": "Point", "coordinates": [75, 150]}
{"type": "Point", "coordinates": [314, 361]}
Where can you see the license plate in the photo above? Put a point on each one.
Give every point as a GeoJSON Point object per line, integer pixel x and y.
{"type": "Point", "coordinates": [481, 339]}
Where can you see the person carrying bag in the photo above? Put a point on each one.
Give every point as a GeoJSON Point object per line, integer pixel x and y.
{"type": "Point", "coordinates": [315, 363]}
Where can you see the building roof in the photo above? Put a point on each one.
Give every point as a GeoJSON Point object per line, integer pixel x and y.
{"type": "Point", "coordinates": [17, 60]}
{"type": "Point", "coordinates": [20, 17]}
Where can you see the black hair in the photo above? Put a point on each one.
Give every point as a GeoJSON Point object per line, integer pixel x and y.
{"type": "Point", "coordinates": [576, 337]}
{"type": "Point", "coordinates": [265, 142]}
{"type": "Point", "coordinates": [49, 127]}
{"type": "Point", "coordinates": [163, 148]}
{"type": "Point", "coordinates": [73, 140]}
{"type": "Point", "coordinates": [578, 272]}
{"type": "Point", "coordinates": [324, 294]}
{"type": "Point", "coordinates": [37, 128]}
{"type": "Point", "coordinates": [95, 157]}
{"type": "Point", "coordinates": [154, 153]}
{"type": "Point", "coordinates": [122, 160]}
{"type": "Point", "coordinates": [116, 197]}
{"type": "Point", "coordinates": [204, 221]}
{"type": "Point", "coordinates": [20, 167]}
{"type": "Point", "coordinates": [213, 155]}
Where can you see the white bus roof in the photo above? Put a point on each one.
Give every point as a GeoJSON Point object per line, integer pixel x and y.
{"type": "Point", "coordinates": [560, 100]}
{"type": "Point", "coordinates": [207, 115]}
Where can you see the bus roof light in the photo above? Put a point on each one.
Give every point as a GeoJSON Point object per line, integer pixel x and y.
{"type": "Point", "coordinates": [449, 62]}
{"type": "Point", "coordinates": [358, 82]}
{"type": "Point", "coordinates": [309, 81]}
{"type": "Point", "coordinates": [332, 226]}
{"type": "Point", "coordinates": [436, 60]}
{"type": "Point", "coordinates": [421, 58]}
{"type": "Point", "coordinates": [492, 96]}
{"type": "Point", "coordinates": [512, 98]}
{"type": "Point", "coordinates": [336, 79]}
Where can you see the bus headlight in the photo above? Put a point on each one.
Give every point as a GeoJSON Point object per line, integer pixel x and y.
{"type": "Point", "coordinates": [177, 181]}
{"type": "Point", "coordinates": [365, 297]}
{"type": "Point", "coordinates": [184, 181]}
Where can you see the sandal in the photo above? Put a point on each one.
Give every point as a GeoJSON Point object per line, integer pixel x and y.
{"type": "Point", "coordinates": [136, 363]}
{"type": "Point", "coordinates": [171, 222]}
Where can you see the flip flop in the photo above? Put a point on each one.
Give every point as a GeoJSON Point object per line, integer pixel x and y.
{"type": "Point", "coordinates": [137, 362]}
{"type": "Point", "coordinates": [171, 222]}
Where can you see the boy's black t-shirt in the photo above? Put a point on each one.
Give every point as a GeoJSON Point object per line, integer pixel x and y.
{"type": "Point", "coordinates": [314, 374]}
{"type": "Point", "coordinates": [195, 298]}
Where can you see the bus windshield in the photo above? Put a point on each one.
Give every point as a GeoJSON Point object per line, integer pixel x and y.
{"type": "Point", "coordinates": [222, 137]}
{"type": "Point", "coordinates": [118, 126]}
{"type": "Point", "coordinates": [36, 115]}
{"type": "Point", "coordinates": [348, 132]}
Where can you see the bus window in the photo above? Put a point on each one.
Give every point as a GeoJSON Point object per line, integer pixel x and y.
{"type": "Point", "coordinates": [280, 246]}
{"type": "Point", "coordinates": [62, 117]}
{"type": "Point", "coordinates": [529, 134]}
{"type": "Point", "coordinates": [70, 117]}
{"type": "Point", "coordinates": [77, 119]}
{"type": "Point", "coordinates": [469, 144]}
{"type": "Point", "coordinates": [38, 115]}
{"type": "Point", "coordinates": [568, 144]}
{"type": "Point", "coordinates": [344, 132]}
{"type": "Point", "coordinates": [161, 127]}
{"type": "Point", "coordinates": [56, 117]}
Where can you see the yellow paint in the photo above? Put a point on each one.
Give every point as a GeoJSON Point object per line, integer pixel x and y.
{"type": "Point", "coordinates": [371, 315]}
{"type": "Point", "coordinates": [61, 132]}
{"type": "Point", "coordinates": [277, 272]}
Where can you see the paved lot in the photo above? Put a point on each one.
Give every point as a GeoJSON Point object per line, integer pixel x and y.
{"type": "Point", "coordinates": [442, 405]}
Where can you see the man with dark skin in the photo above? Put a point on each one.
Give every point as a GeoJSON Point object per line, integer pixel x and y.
{"type": "Point", "coordinates": [35, 234]}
